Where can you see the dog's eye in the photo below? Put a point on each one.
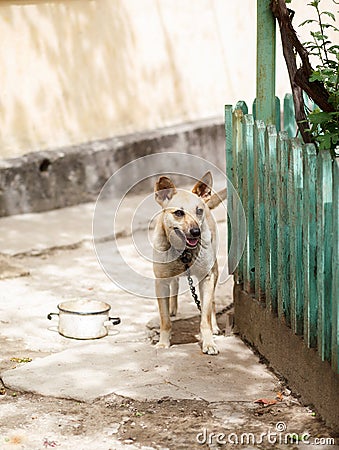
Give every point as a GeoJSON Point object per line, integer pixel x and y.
{"type": "Point", "coordinates": [199, 211]}
{"type": "Point", "coordinates": [179, 213]}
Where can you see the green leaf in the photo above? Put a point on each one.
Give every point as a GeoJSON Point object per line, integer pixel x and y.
{"type": "Point", "coordinates": [306, 22]}
{"type": "Point", "coordinates": [318, 35]}
{"type": "Point", "coordinates": [329, 25]}
{"type": "Point", "coordinates": [316, 76]}
{"type": "Point", "coordinates": [318, 118]}
{"type": "Point", "coordinates": [327, 13]}
{"type": "Point", "coordinates": [310, 45]}
{"type": "Point", "coordinates": [328, 72]}
{"type": "Point", "coordinates": [326, 141]}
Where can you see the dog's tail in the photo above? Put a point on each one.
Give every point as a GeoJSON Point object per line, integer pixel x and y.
{"type": "Point", "coordinates": [216, 199]}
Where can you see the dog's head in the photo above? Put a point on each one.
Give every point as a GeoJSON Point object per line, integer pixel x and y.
{"type": "Point", "coordinates": [183, 211]}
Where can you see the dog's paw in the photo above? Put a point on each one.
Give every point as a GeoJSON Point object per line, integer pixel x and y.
{"type": "Point", "coordinates": [210, 349]}
{"type": "Point", "coordinates": [162, 345]}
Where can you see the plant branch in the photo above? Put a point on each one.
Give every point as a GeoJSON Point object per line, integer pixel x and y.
{"type": "Point", "coordinates": [281, 13]}
{"type": "Point", "coordinates": [299, 78]}
{"type": "Point", "coordinates": [323, 46]}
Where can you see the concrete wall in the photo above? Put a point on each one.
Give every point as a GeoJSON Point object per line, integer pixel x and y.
{"type": "Point", "coordinates": [74, 71]}
{"type": "Point", "coordinates": [46, 180]}
{"type": "Point", "coordinates": [82, 70]}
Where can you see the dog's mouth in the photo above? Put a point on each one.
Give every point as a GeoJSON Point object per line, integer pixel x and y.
{"type": "Point", "coordinates": [191, 242]}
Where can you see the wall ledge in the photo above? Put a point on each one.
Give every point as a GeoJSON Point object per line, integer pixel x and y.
{"type": "Point", "coordinates": [58, 178]}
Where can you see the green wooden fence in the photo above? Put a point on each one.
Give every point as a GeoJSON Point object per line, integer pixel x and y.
{"type": "Point", "coordinates": [290, 197]}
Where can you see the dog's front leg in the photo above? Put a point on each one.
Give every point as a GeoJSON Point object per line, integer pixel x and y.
{"type": "Point", "coordinates": [215, 327]}
{"type": "Point", "coordinates": [207, 287]}
{"type": "Point", "coordinates": [162, 288]}
{"type": "Point", "coordinates": [174, 296]}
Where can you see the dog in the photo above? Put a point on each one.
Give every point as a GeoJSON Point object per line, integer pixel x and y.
{"type": "Point", "coordinates": [186, 227]}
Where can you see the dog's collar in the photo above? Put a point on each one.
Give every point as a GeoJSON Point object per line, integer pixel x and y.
{"type": "Point", "coordinates": [186, 256]}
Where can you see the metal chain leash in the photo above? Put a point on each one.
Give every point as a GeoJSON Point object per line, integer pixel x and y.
{"type": "Point", "coordinates": [186, 258]}
{"type": "Point", "coordinates": [192, 287]}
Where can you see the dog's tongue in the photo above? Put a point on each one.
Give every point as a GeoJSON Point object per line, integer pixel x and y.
{"type": "Point", "coordinates": [192, 241]}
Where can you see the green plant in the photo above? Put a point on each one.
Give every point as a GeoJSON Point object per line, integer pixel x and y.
{"type": "Point", "coordinates": [324, 126]}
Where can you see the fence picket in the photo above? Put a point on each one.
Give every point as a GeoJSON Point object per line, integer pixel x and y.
{"type": "Point", "coordinates": [335, 268]}
{"type": "Point", "coordinates": [241, 168]}
{"type": "Point", "coordinates": [248, 202]}
{"type": "Point", "coordinates": [283, 276]}
{"type": "Point", "coordinates": [229, 165]}
{"type": "Point", "coordinates": [290, 125]}
{"type": "Point", "coordinates": [295, 203]}
{"type": "Point", "coordinates": [309, 246]}
{"type": "Point", "coordinates": [324, 253]}
{"type": "Point", "coordinates": [237, 180]}
{"type": "Point", "coordinates": [242, 105]}
{"type": "Point", "coordinates": [259, 209]}
{"type": "Point", "coordinates": [271, 216]}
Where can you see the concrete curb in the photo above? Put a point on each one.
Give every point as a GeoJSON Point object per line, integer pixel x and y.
{"type": "Point", "coordinates": [47, 180]}
{"type": "Point", "coordinates": [137, 370]}
{"type": "Point", "coordinates": [306, 374]}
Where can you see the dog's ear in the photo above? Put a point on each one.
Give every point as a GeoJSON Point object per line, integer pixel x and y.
{"type": "Point", "coordinates": [164, 190]}
{"type": "Point", "coordinates": [203, 187]}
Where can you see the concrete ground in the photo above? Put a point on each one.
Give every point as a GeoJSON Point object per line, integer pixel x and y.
{"type": "Point", "coordinates": [120, 391]}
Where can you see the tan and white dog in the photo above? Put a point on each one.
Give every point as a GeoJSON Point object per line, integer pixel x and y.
{"type": "Point", "coordinates": [186, 224]}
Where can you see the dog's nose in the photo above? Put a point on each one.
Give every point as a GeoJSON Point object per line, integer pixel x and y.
{"type": "Point", "coordinates": [195, 232]}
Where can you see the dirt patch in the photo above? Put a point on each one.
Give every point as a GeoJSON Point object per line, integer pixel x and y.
{"type": "Point", "coordinates": [14, 353]}
{"type": "Point", "coordinates": [163, 424]}
{"type": "Point", "coordinates": [185, 331]}
{"type": "Point", "coordinates": [10, 268]}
